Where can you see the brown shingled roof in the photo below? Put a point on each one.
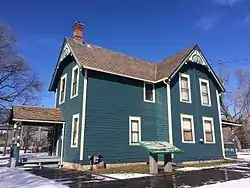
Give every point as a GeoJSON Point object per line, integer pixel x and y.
{"type": "Point", "coordinates": [37, 113]}
{"type": "Point", "coordinates": [100, 59]}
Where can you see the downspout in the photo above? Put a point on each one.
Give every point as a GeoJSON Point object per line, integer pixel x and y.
{"type": "Point", "coordinates": [170, 128]}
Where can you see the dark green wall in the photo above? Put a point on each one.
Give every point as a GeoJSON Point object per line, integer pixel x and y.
{"type": "Point", "coordinates": [69, 108]}
{"type": "Point", "coordinates": [110, 102]}
{"type": "Point", "coordinates": [195, 151]}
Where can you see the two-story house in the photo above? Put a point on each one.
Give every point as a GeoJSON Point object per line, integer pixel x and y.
{"type": "Point", "coordinates": [111, 102]}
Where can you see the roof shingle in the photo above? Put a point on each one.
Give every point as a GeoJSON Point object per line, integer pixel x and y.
{"type": "Point", "coordinates": [37, 113]}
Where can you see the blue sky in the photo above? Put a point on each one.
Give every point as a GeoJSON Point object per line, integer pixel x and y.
{"type": "Point", "coordinates": [151, 30]}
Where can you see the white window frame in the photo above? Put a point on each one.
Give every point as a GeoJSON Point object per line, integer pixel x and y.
{"type": "Point", "coordinates": [134, 118]}
{"type": "Point", "coordinates": [72, 130]}
{"type": "Point", "coordinates": [144, 92]}
{"type": "Point", "coordinates": [64, 96]}
{"type": "Point", "coordinates": [192, 124]}
{"type": "Point", "coordinates": [72, 81]}
{"type": "Point", "coordinates": [189, 87]}
{"type": "Point", "coordinates": [204, 118]}
{"type": "Point", "coordinates": [208, 89]}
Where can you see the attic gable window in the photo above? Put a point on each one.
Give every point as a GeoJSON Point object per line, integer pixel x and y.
{"type": "Point", "coordinates": [62, 93]}
{"type": "Point", "coordinates": [185, 89]}
{"type": "Point", "coordinates": [74, 81]}
{"type": "Point", "coordinates": [205, 92]}
{"type": "Point", "coordinates": [149, 92]}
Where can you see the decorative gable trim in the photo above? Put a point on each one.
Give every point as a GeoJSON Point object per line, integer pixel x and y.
{"type": "Point", "coordinates": [196, 56]}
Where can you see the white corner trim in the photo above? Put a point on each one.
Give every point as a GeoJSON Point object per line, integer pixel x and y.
{"type": "Point", "coordinates": [135, 118]}
{"type": "Point", "coordinates": [189, 87]}
{"type": "Point", "coordinates": [192, 124]}
{"type": "Point", "coordinates": [170, 128]}
{"type": "Point", "coordinates": [220, 123]}
{"type": "Point", "coordinates": [84, 99]}
{"type": "Point", "coordinates": [55, 98]}
{"type": "Point", "coordinates": [76, 67]}
{"type": "Point", "coordinates": [57, 146]}
{"type": "Point", "coordinates": [208, 89]}
{"type": "Point", "coordinates": [144, 92]}
{"type": "Point", "coordinates": [75, 116]}
{"type": "Point", "coordinates": [204, 118]}
{"type": "Point", "coordinates": [62, 142]}
{"type": "Point", "coordinates": [60, 97]}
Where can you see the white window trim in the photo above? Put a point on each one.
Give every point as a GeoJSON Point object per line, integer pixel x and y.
{"type": "Point", "coordinates": [204, 134]}
{"type": "Point", "coordinates": [144, 92]}
{"type": "Point", "coordinates": [64, 96]}
{"type": "Point", "coordinates": [72, 130]}
{"type": "Point", "coordinates": [192, 124]}
{"type": "Point", "coordinates": [189, 87]}
{"type": "Point", "coordinates": [72, 79]}
{"type": "Point", "coordinates": [131, 118]}
{"type": "Point", "coordinates": [208, 89]}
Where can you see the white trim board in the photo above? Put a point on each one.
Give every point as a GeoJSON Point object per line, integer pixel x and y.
{"type": "Point", "coordinates": [208, 89]}
{"type": "Point", "coordinates": [75, 116]}
{"type": "Point", "coordinates": [144, 92]}
{"type": "Point", "coordinates": [182, 75]}
{"type": "Point", "coordinates": [170, 128]}
{"type": "Point", "coordinates": [192, 124]}
{"type": "Point", "coordinates": [84, 99]}
{"type": "Point", "coordinates": [204, 118]}
{"type": "Point", "coordinates": [220, 123]}
{"type": "Point", "coordinates": [135, 118]}
{"type": "Point", "coordinates": [60, 90]}
{"type": "Point", "coordinates": [76, 67]}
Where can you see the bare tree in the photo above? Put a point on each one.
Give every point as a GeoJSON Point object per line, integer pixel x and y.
{"type": "Point", "coordinates": [18, 85]}
{"type": "Point", "coordinates": [236, 103]}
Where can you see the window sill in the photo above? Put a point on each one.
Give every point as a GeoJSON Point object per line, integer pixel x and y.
{"type": "Point", "coordinates": [209, 105]}
{"type": "Point", "coordinates": [188, 142]}
{"type": "Point", "coordinates": [149, 101]}
{"type": "Point", "coordinates": [186, 101]}
{"type": "Point", "coordinates": [135, 144]}
{"type": "Point", "coordinates": [74, 96]}
{"type": "Point", "coordinates": [61, 102]}
{"type": "Point", "coordinates": [72, 146]}
{"type": "Point", "coordinates": [209, 142]}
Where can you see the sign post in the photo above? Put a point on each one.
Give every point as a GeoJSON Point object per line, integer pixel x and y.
{"type": "Point", "coordinates": [159, 147]}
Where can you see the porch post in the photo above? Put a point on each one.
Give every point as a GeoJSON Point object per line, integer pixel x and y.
{"type": "Point", "coordinates": [168, 162]}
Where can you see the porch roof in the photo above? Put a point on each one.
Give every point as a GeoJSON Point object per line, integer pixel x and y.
{"type": "Point", "coordinates": [36, 114]}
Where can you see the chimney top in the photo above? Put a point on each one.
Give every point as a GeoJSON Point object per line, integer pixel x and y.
{"type": "Point", "coordinates": [78, 31]}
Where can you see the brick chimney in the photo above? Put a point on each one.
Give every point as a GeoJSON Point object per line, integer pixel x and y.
{"type": "Point", "coordinates": [78, 31]}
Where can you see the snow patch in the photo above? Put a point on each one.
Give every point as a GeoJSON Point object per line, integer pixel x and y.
{"type": "Point", "coordinates": [12, 177]}
{"type": "Point", "coordinates": [242, 183]}
{"type": "Point", "coordinates": [123, 176]}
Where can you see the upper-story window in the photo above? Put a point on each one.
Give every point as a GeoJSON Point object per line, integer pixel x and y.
{"type": "Point", "coordinates": [149, 92]}
{"type": "Point", "coordinates": [208, 128]}
{"type": "Point", "coordinates": [187, 128]}
{"type": "Point", "coordinates": [185, 89]}
{"type": "Point", "coordinates": [205, 92]}
{"type": "Point", "coordinates": [75, 81]}
{"type": "Point", "coordinates": [62, 94]}
{"type": "Point", "coordinates": [134, 130]}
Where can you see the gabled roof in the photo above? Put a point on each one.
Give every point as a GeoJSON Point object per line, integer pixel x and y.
{"type": "Point", "coordinates": [99, 59]}
{"type": "Point", "coordinates": [36, 114]}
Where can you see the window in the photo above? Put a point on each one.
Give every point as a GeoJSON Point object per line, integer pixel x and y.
{"type": "Point", "coordinates": [74, 81]}
{"type": "Point", "coordinates": [134, 130]}
{"type": "Point", "coordinates": [205, 92]}
{"type": "Point", "coordinates": [185, 90]}
{"type": "Point", "coordinates": [63, 89]}
{"type": "Point", "coordinates": [75, 130]}
{"type": "Point", "coordinates": [187, 128]}
{"type": "Point", "coordinates": [208, 128]}
{"type": "Point", "coordinates": [149, 92]}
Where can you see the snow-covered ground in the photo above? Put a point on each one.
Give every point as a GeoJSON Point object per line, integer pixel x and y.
{"type": "Point", "coordinates": [11, 177]}
{"type": "Point", "coordinates": [242, 183]}
{"type": "Point", "coordinates": [127, 175]}
{"type": "Point", "coordinates": [244, 156]}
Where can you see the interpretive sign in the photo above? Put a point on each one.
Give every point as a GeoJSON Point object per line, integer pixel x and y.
{"type": "Point", "coordinates": [159, 147]}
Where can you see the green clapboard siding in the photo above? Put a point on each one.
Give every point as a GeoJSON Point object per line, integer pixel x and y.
{"type": "Point", "coordinates": [195, 151]}
{"type": "Point", "coordinates": [69, 108]}
{"type": "Point", "coordinates": [110, 101]}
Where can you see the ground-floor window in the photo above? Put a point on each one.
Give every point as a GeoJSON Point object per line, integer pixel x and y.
{"type": "Point", "coordinates": [74, 130]}
{"type": "Point", "coordinates": [187, 128]}
{"type": "Point", "coordinates": [134, 130]}
{"type": "Point", "coordinates": [208, 129]}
